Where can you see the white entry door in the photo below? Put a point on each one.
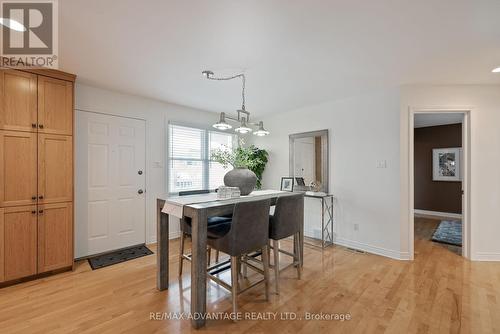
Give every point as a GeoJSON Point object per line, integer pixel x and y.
{"type": "Point", "coordinates": [110, 180]}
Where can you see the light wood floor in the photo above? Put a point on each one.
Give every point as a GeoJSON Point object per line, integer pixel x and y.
{"type": "Point", "coordinates": [425, 228]}
{"type": "Point", "coordinates": [439, 292]}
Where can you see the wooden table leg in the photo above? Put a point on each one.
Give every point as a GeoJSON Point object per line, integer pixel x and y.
{"type": "Point", "coordinates": [199, 268]}
{"type": "Point", "coordinates": [162, 247]}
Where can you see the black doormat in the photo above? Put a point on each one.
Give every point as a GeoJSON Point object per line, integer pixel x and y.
{"type": "Point", "coordinates": [119, 256]}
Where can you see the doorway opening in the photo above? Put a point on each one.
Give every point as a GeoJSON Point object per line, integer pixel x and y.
{"type": "Point", "coordinates": [439, 182]}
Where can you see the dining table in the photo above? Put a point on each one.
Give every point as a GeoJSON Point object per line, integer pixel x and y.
{"type": "Point", "coordinates": [198, 208]}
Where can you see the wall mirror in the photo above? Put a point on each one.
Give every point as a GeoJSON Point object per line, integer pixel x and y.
{"type": "Point", "coordinates": [309, 159]}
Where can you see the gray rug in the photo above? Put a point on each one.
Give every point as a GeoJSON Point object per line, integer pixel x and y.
{"type": "Point", "coordinates": [449, 232]}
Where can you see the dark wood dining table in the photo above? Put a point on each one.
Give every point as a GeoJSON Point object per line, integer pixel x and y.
{"type": "Point", "coordinates": [199, 212]}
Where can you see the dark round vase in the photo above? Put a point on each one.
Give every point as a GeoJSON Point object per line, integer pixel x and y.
{"type": "Point", "coordinates": [242, 178]}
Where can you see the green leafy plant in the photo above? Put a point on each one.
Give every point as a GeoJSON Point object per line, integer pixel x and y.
{"type": "Point", "coordinates": [261, 158]}
{"type": "Point", "coordinates": [251, 157]}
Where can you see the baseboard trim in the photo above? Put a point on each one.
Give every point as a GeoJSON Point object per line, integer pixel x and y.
{"type": "Point", "coordinates": [174, 234]}
{"type": "Point", "coordinates": [483, 256]}
{"type": "Point", "coordinates": [372, 249]}
{"type": "Point", "coordinates": [36, 276]}
{"type": "Point", "coordinates": [427, 213]}
{"type": "Point", "coordinates": [404, 256]}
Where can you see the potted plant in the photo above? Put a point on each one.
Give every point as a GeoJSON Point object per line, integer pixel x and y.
{"type": "Point", "coordinates": [248, 165]}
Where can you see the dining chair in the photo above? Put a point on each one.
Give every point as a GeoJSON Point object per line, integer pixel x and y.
{"type": "Point", "coordinates": [185, 226]}
{"type": "Point", "coordinates": [247, 232]}
{"type": "Point", "coordinates": [285, 222]}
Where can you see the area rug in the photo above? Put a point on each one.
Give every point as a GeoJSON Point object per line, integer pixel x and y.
{"type": "Point", "coordinates": [118, 256]}
{"type": "Point", "coordinates": [449, 232]}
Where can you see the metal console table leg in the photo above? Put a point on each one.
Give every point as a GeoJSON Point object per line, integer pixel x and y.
{"type": "Point", "coordinates": [327, 220]}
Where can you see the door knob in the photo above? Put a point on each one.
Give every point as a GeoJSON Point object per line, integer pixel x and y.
{"type": "Point", "coordinates": [140, 191]}
{"type": "Point", "coordinates": [139, 172]}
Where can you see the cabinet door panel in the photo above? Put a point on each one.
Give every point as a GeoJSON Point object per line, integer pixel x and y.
{"type": "Point", "coordinates": [18, 168]}
{"type": "Point", "coordinates": [55, 106]}
{"type": "Point", "coordinates": [55, 172]}
{"type": "Point", "coordinates": [20, 241]}
{"type": "Point", "coordinates": [55, 236]}
{"type": "Point", "coordinates": [18, 101]}
{"type": "Point", "coordinates": [2, 246]}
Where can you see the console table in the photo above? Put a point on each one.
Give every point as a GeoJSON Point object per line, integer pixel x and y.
{"type": "Point", "coordinates": [327, 220]}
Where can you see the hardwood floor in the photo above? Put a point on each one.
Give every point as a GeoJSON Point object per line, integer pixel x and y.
{"type": "Point", "coordinates": [439, 292]}
{"type": "Point", "coordinates": [424, 229]}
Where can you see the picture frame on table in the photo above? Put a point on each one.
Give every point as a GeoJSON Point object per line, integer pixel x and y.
{"type": "Point", "coordinates": [287, 184]}
{"type": "Point", "coordinates": [300, 181]}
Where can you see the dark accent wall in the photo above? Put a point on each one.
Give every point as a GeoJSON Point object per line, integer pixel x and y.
{"type": "Point", "coordinates": [441, 196]}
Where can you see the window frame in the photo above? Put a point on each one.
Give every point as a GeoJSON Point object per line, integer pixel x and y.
{"type": "Point", "coordinates": [205, 154]}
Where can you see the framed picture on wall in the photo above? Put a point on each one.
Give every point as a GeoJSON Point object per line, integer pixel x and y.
{"type": "Point", "coordinates": [446, 164]}
{"type": "Point", "coordinates": [287, 184]}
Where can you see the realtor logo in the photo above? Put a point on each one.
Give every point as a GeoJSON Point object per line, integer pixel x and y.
{"type": "Point", "coordinates": [29, 36]}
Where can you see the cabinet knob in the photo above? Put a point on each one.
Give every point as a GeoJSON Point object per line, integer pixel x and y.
{"type": "Point", "coordinates": [140, 191]}
{"type": "Point", "coordinates": [33, 198]}
{"type": "Point", "coordinates": [40, 197]}
{"type": "Point", "coordinates": [33, 212]}
{"type": "Point", "coordinates": [40, 126]}
{"type": "Point", "coordinates": [33, 125]}
{"type": "Point", "coordinates": [40, 211]}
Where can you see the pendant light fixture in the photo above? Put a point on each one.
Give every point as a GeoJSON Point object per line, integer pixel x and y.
{"type": "Point", "coordinates": [261, 131]}
{"type": "Point", "coordinates": [243, 128]}
{"type": "Point", "coordinates": [222, 125]}
{"type": "Point", "coordinates": [242, 115]}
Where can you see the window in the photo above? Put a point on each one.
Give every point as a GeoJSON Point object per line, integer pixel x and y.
{"type": "Point", "coordinates": [190, 167]}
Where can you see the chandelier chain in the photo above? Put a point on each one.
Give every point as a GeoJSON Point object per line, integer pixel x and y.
{"type": "Point", "coordinates": [243, 80]}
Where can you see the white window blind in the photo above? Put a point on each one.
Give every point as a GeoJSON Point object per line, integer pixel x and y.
{"type": "Point", "coordinates": [190, 167]}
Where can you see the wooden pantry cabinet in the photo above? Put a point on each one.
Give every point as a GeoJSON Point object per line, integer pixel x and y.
{"type": "Point", "coordinates": [18, 100]}
{"type": "Point", "coordinates": [36, 173]}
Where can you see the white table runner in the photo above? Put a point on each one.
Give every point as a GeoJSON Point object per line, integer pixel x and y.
{"type": "Point", "coordinates": [175, 205]}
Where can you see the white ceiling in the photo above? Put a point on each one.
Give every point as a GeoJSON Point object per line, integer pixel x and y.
{"type": "Point", "coordinates": [294, 53]}
{"type": "Point", "coordinates": [435, 119]}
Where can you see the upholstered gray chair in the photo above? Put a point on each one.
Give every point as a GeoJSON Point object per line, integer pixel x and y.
{"type": "Point", "coordinates": [247, 232]}
{"type": "Point", "coordinates": [287, 221]}
{"type": "Point", "coordinates": [186, 230]}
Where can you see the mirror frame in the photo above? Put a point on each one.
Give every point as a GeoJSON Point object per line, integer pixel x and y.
{"type": "Point", "coordinates": [325, 159]}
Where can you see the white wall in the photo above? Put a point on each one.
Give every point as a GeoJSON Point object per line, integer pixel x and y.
{"type": "Point", "coordinates": [485, 158]}
{"type": "Point", "coordinates": [156, 114]}
{"type": "Point", "coordinates": [363, 130]}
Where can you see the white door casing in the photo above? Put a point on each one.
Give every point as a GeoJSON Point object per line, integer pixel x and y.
{"type": "Point", "coordinates": [466, 175]}
{"type": "Point", "coordinates": [110, 172]}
